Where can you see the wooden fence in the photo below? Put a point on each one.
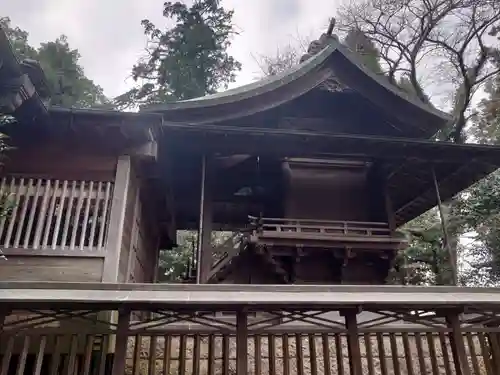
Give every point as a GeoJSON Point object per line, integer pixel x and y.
{"type": "Point", "coordinates": [54, 214]}
{"type": "Point", "coordinates": [402, 353]}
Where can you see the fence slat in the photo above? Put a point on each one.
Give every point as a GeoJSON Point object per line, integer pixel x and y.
{"type": "Point", "coordinates": [432, 352]}
{"type": "Point", "coordinates": [473, 353]}
{"type": "Point", "coordinates": [50, 214]}
{"type": "Point", "coordinates": [56, 356]}
{"type": "Point", "coordinates": [369, 354]}
{"type": "Point", "coordinates": [39, 356]}
{"type": "Point", "coordinates": [211, 354]}
{"type": "Point", "coordinates": [21, 364]}
{"type": "Point", "coordinates": [300, 354]}
{"type": "Point", "coordinates": [182, 354]}
{"type": "Point", "coordinates": [59, 215]}
{"type": "Point", "coordinates": [312, 354]}
{"type": "Point", "coordinates": [42, 215]}
{"type": "Point", "coordinates": [381, 353]}
{"type": "Point", "coordinates": [95, 215]}
{"type": "Point", "coordinates": [408, 354]}
{"type": "Point", "coordinates": [86, 213]}
{"type": "Point", "coordinates": [152, 355]}
{"type": "Point", "coordinates": [271, 354]}
{"type": "Point", "coordinates": [87, 356]}
{"type": "Point", "coordinates": [446, 355]}
{"type": "Point", "coordinates": [76, 219]}
{"type": "Point", "coordinates": [286, 355]}
{"type": "Point", "coordinates": [6, 194]}
{"type": "Point", "coordinates": [13, 216]}
{"type": "Point", "coordinates": [7, 355]}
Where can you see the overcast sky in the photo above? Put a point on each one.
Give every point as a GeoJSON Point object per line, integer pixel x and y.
{"type": "Point", "coordinates": [110, 39]}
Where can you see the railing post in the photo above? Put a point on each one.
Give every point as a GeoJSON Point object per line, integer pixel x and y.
{"type": "Point", "coordinates": [121, 342]}
{"type": "Point", "coordinates": [241, 342]}
{"type": "Point", "coordinates": [457, 345]}
{"type": "Point", "coordinates": [116, 220]}
{"type": "Point", "coordinates": [353, 341]}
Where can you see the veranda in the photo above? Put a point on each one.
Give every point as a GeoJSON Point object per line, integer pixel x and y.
{"type": "Point", "coordinates": [60, 328]}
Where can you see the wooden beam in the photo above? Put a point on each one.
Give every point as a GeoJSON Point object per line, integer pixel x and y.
{"type": "Point", "coordinates": [117, 219]}
{"type": "Point", "coordinates": [20, 252]}
{"type": "Point", "coordinates": [147, 150]}
{"type": "Point", "coordinates": [301, 143]}
{"type": "Point", "coordinates": [133, 238]}
{"type": "Point", "coordinates": [205, 224]}
{"type": "Point", "coordinates": [444, 224]}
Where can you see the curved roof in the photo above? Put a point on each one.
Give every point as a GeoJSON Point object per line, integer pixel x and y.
{"type": "Point", "coordinates": [334, 60]}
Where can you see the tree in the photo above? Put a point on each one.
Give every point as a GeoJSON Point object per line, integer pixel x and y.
{"type": "Point", "coordinates": [291, 54]}
{"type": "Point", "coordinates": [68, 84]}
{"type": "Point", "coordinates": [480, 207]}
{"type": "Point", "coordinates": [358, 42]}
{"type": "Point", "coordinates": [187, 60]}
{"type": "Point", "coordinates": [285, 58]}
{"type": "Point", "coordinates": [175, 264]}
{"type": "Point", "coordinates": [66, 79]}
{"type": "Point", "coordinates": [452, 39]}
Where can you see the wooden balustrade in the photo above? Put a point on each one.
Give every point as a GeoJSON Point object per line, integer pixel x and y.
{"type": "Point", "coordinates": [47, 214]}
{"type": "Point", "coordinates": [268, 354]}
{"type": "Point", "coordinates": [322, 227]}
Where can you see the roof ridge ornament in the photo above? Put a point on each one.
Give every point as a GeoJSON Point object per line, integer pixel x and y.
{"type": "Point", "coordinates": [331, 25]}
{"type": "Point", "coordinates": [331, 84]}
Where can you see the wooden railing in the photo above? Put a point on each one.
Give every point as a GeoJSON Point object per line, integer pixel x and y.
{"type": "Point", "coordinates": [325, 227]}
{"type": "Point", "coordinates": [268, 354]}
{"type": "Point", "coordinates": [50, 214]}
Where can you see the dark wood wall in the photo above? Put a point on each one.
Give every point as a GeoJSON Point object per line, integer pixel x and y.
{"type": "Point", "coordinates": [326, 193]}
{"type": "Point", "coordinates": [56, 160]}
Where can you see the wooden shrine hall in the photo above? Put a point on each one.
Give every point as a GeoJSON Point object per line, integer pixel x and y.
{"type": "Point", "coordinates": [311, 172]}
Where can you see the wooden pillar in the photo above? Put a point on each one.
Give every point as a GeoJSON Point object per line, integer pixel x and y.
{"type": "Point", "coordinates": [121, 343]}
{"type": "Point", "coordinates": [204, 253]}
{"type": "Point", "coordinates": [389, 209]}
{"type": "Point", "coordinates": [117, 220]}
{"type": "Point", "coordinates": [444, 224]}
{"type": "Point", "coordinates": [353, 341]}
{"type": "Point", "coordinates": [241, 343]}
{"type": "Point", "coordinates": [457, 345]}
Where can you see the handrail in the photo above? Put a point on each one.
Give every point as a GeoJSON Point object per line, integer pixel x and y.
{"type": "Point", "coordinates": [288, 220]}
{"type": "Point", "coordinates": [313, 227]}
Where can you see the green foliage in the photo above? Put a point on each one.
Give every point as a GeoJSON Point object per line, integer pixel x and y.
{"type": "Point", "coordinates": [68, 84]}
{"type": "Point", "coordinates": [425, 261]}
{"type": "Point", "coordinates": [187, 60]}
{"type": "Point", "coordinates": [486, 120]}
{"type": "Point", "coordinates": [175, 263]}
